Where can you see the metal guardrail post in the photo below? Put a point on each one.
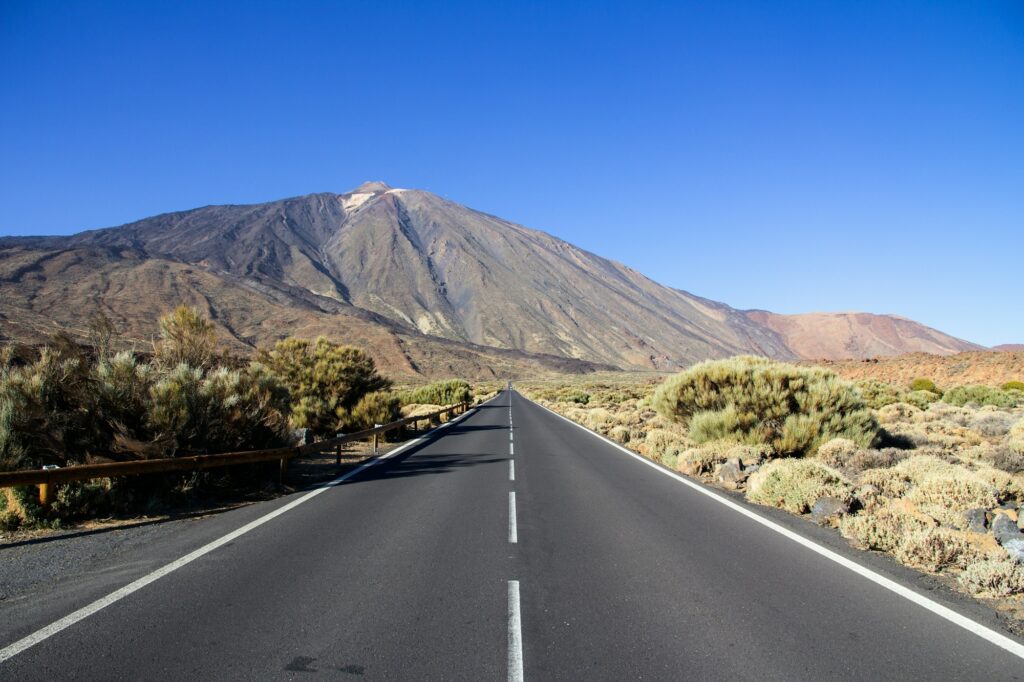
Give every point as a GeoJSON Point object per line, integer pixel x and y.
{"type": "Point", "coordinates": [282, 473]}
{"type": "Point", "coordinates": [47, 489]}
{"type": "Point", "coordinates": [47, 493]}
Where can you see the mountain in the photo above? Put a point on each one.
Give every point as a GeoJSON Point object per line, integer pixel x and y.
{"type": "Point", "coordinates": [431, 286]}
{"type": "Point", "coordinates": [1009, 347]}
{"type": "Point", "coordinates": [57, 288]}
{"type": "Point", "coordinates": [837, 336]}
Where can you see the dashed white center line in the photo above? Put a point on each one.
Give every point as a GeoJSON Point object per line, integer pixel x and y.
{"type": "Point", "coordinates": [513, 532]}
{"type": "Point", "coordinates": [511, 448]}
{"type": "Point", "coordinates": [515, 634]}
{"type": "Point", "coordinates": [511, 470]}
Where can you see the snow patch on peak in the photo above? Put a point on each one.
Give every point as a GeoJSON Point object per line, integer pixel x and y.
{"type": "Point", "coordinates": [353, 201]}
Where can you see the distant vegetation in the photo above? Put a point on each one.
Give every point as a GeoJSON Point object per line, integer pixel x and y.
{"type": "Point", "coordinates": [447, 392]}
{"type": "Point", "coordinates": [878, 394]}
{"type": "Point", "coordinates": [71, 404]}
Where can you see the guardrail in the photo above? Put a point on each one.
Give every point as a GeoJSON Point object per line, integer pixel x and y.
{"type": "Point", "coordinates": [47, 479]}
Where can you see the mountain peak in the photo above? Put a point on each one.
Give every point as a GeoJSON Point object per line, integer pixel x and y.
{"type": "Point", "coordinates": [371, 188]}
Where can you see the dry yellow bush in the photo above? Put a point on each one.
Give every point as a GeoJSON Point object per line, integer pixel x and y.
{"type": "Point", "coordinates": [935, 549]}
{"type": "Point", "coordinates": [703, 458]}
{"type": "Point", "coordinates": [897, 413]}
{"type": "Point", "coordinates": [889, 482]}
{"type": "Point", "coordinates": [923, 467]}
{"type": "Point", "coordinates": [1016, 440]}
{"type": "Point", "coordinates": [837, 452]}
{"type": "Point", "coordinates": [598, 417]}
{"type": "Point", "coordinates": [994, 578]}
{"type": "Point", "coordinates": [884, 528]}
{"type": "Point", "coordinates": [795, 484]}
{"type": "Point", "coordinates": [619, 433]}
{"type": "Point", "coordinates": [946, 499]}
{"type": "Point", "coordinates": [663, 445]}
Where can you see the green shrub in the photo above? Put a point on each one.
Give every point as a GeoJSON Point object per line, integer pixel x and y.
{"type": "Point", "coordinates": [1013, 386]}
{"type": "Point", "coordinates": [878, 394]}
{"type": "Point", "coordinates": [379, 407]}
{"type": "Point", "coordinates": [924, 385]}
{"type": "Point", "coordinates": [983, 395]}
{"type": "Point", "coordinates": [796, 484]}
{"type": "Point", "coordinates": [81, 499]}
{"type": "Point", "coordinates": [756, 400]}
{"type": "Point", "coordinates": [243, 409]}
{"type": "Point", "coordinates": [449, 392]}
{"type": "Point", "coordinates": [921, 399]}
{"type": "Point", "coordinates": [186, 337]}
{"type": "Point", "coordinates": [722, 424]}
{"type": "Point", "coordinates": [22, 509]}
{"type": "Point", "coordinates": [223, 410]}
{"type": "Point", "coordinates": [122, 394]}
{"type": "Point", "coordinates": [578, 397]}
{"type": "Point", "coordinates": [46, 414]}
{"type": "Point", "coordinates": [325, 380]}
{"type": "Point", "coordinates": [664, 446]}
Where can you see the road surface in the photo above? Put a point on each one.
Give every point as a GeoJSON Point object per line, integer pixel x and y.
{"type": "Point", "coordinates": [510, 545]}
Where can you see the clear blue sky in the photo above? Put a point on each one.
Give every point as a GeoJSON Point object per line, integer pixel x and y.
{"type": "Point", "coordinates": [794, 156]}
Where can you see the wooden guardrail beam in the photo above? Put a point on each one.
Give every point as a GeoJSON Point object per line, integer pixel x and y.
{"type": "Point", "coordinates": [46, 479]}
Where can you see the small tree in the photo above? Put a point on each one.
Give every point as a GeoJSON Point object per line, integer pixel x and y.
{"type": "Point", "coordinates": [326, 380]}
{"type": "Point", "coordinates": [186, 337]}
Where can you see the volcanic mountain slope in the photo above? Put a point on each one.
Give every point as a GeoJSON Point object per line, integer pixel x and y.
{"type": "Point", "coordinates": [57, 289]}
{"type": "Point", "coordinates": [858, 335]}
{"type": "Point", "coordinates": [447, 271]}
{"type": "Point", "coordinates": [377, 263]}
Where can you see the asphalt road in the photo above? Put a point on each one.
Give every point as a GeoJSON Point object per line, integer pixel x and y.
{"type": "Point", "coordinates": [488, 551]}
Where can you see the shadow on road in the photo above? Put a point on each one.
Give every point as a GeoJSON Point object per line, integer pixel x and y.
{"type": "Point", "coordinates": [401, 465]}
{"type": "Point", "coordinates": [431, 464]}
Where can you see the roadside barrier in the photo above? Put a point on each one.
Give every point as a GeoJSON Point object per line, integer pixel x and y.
{"type": "Point", "coordinates": [48, 478]}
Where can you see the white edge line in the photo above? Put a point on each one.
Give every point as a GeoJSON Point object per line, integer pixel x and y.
{"type": "Point", "coordinates": [515, 634]}
{"type": "Point", "coordinates": [67, 621]}
{"type": "Point", "coordinates": [513, 530]}
{"type": "Point", "coordinates": [986, 633]}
